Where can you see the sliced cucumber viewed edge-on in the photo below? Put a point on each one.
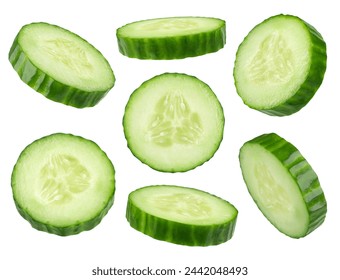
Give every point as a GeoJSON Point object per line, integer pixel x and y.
{"type": "Point", "coordinates": [173, 122]}
{"type": "Point", "coordinates": [171, 38]}
{"type": "Point", "coordinates": [280, 65]}
{"type": "Point", "coordinates": [283, 185]}
{"type": "Point", "coordinates": [61, 65]}
{"type": "Point", "coordinates": [181, 215]}
{"type": "Point", "coordinates": [63, 184]}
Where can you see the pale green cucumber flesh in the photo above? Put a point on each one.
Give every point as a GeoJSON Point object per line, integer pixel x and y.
{"type": "Point", "coordinates": [280, 65]}
{"type": "Point", "coordinates": [173, 122]}
{"type": "Point", "coordinates": [181, 215]}
{"type": "Point", "coordinates": [63, 184]}
{"type": "Point", "coordinates": [283, 185]}
{"type": "Point", "coordinates": [61, 65]}
{"type": "Point", "coordinates": [171, 38]}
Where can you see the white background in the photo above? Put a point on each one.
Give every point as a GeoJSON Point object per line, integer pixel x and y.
{"type": "Point", "coordinates": [26, 115]}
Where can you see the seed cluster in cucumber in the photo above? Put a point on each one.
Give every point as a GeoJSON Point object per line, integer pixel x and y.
{"type": "Point", "coordinates": [280, 65]}
{"type": "Point", "coordinates": [61, 65]}
{"type": "Point", "coordinates": [173, 122]}
{"type": "Point", "coordinates": [63, 184]}
{"type": "Point", "coordinates": [181, 215]}
{"type": "Point", "coordinates": [171, 38]}
{"type": "Point", "coordinates": [283, 185]}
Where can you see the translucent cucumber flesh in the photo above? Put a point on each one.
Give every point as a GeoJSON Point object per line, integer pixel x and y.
{"type": "Point", "coordinates": [63, 181]}
{"type": "Point", "coordinates": [66, 57]}
{"type": "Point", "coordinates": [173, 122]}
{"type": "Point", "coordinates": [62, 177]}
{"type": "Point", "coordinates": [283, 185]}
{"type": "Point", "coordinates": [275, 192]}
{"type": "Point", "coordinates": [181, 215]}
{"type": "Point", "coordinates": [183, 205]}
{"type": "Point", "coordinates": [68, 54]}
{"type": "Point", "coordinates": [171, 38]}
{"type": "Point", "coordinates": [273, 62]}
{"type": "Point", "coordinates": [280, 65]}
{"type": "Point", "coordinates": [174, 26]}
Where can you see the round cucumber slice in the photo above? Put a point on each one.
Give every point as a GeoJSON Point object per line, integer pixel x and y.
{"type": "Point", "coordinates": [280, 65]}
{"type": "Point", "coordinates": [63, 184]}
{"type": "Point", "coordinates": [61, 65]}
{"type": "Point", "coordinates": [173, 122]}
{"type": "Point", "coordinates": [283, 185]}
{"type": "Point", "coordinates": [181, 215]}
{"type": "Point", "coordinates": [171, 38]}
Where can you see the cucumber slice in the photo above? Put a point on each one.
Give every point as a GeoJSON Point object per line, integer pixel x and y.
{"type": "Point", "coordinates": [181, 215]}
{"type": "Point", "coordinates": [173, 122]}
{"type": "Point", "coordinates": [171, 38]}
{"type": "Point", "coordinates": [283, 185]}
{"type": "Point", "coordinates": [63, 184]}
{"type": "Point", "coordinates": [280, 65]}
{"type": "Point", "coordinates": [61, 65]}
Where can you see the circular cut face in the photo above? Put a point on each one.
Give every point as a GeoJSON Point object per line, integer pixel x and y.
{"type": "Point", "coordinates": [273, 62]}
{"type": "Point", "coordinates": [173, 122]}
{"type": "Point", "coordinates": [65, 57]}
{"type": "Point", "coordinates": [274, 190]}
{"type": "Point", "coordinates": [63, 180]}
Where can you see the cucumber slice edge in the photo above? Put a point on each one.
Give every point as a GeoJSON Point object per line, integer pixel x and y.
{"type": "Point", "coordinates": [304, 180]}
{"type": "Point", "coordinates": [53, 81]}
{"type": "Point", "coordinates": [173, 154]}
{"type": "Point", "coordinates": [164, 229]}
{"type": "Point", "coordinates": [40, 206]}
{"type": "Point", "coordinates": [301, 92]}
{"type": "Point", "coordinates": [172, 46]}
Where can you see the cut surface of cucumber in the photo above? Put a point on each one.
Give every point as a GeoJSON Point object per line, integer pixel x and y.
{"type": "Point", "coordinates": [63, 184]}
{"type": "Point", "coordinates": [181, 215]}
{"type": "Point", "coordinates": [280, 65]}
{"type": "Point", "coordinates": [173, 122]}
{"type": "Point", "coordinates": [61, 65]}
{"type": "Point", "coordinates": [171, 38]}
{"type": "Point", "coordinates": [283, 185]}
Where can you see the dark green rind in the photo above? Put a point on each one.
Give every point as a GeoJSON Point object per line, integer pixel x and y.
{"type": "Point", "coordinates": [179, 233]}
{"type": "Point", "coordinates": [141, 157]}
{"type": "Point", "coordinates": [301, 172]}
{"type": "Point", "coordinates": [173, 47]}
{"type": "Point", "coordinates": [47, 85]}
{"type": "Point", "coordinates": [71, 229]}
{"type": "Point", "coordinates": [313, 80]}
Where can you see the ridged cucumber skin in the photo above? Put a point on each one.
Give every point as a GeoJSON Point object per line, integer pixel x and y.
{"type": "Point", "coordinates": [47, 85]}
{"type": "Point", "coordinates": [68, 230]}
{"type": "Point", "coordinates": [173, 47]}
{"type": "Point", "coordinates": [179, 233]}
{"type": "Point", "coordinates": [302, 173]}
{"type": "Point", "coordinates": [313, 80]}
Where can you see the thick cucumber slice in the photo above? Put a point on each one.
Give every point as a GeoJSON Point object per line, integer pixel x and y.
{"type": "Point", "coordinates": [61, 65]}
{"type": "Point", "coordinates": [171, 38]}
{"type": "Point", "coordinates": [283, 185]}
{"type": "Point", "coordinates": [280, 65]}
{"type": "Point", "coordinates": [181, 215]}
{"type": "Point", "coordinates": [173, 122]}
{"type": "Point", "coordinates": [63, 184]}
